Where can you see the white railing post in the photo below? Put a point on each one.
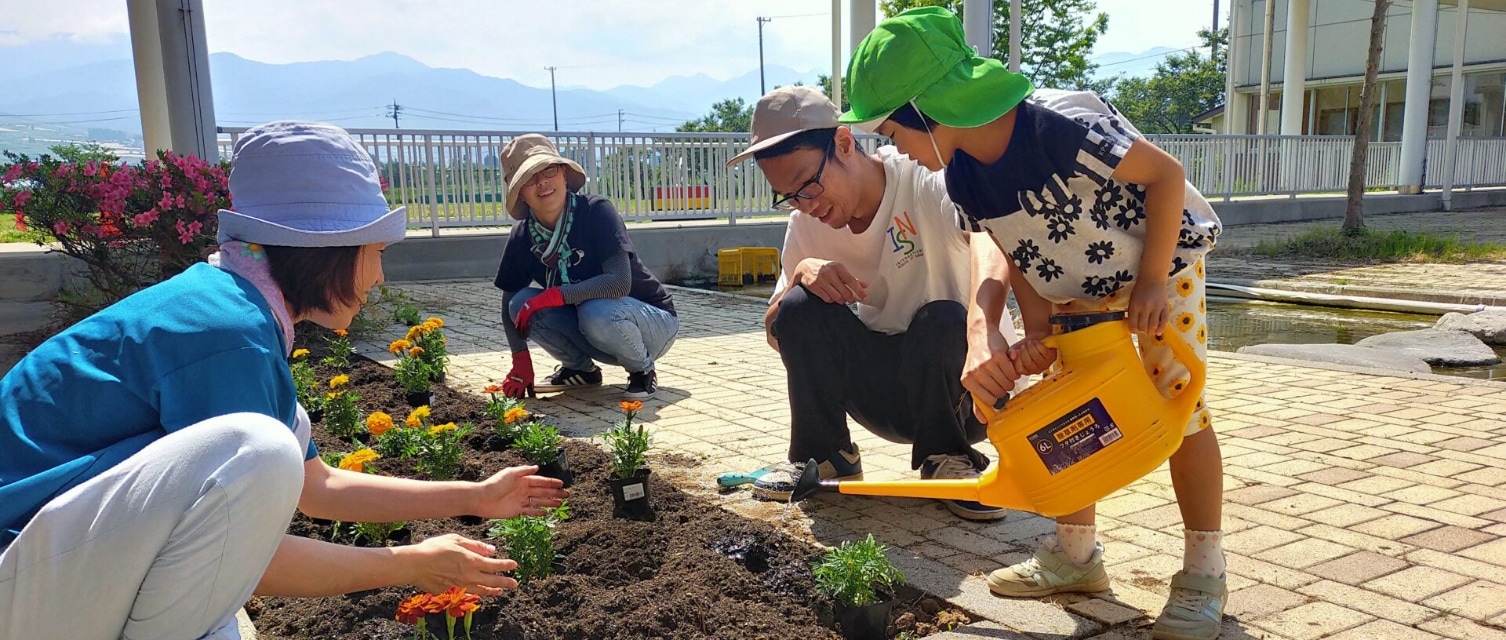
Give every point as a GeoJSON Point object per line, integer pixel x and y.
{"type": "Point", "coordinates": [433, 194]}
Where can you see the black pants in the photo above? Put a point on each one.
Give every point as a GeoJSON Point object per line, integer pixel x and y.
{"type": "Point", "coordinates": [904, 388]}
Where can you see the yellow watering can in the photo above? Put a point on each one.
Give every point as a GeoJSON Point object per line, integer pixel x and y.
{"type": "Point", "coordinates": [1089, 429]}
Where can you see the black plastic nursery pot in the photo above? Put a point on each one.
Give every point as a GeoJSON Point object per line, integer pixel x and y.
{"type": "Point", "coordinates": [865, 623]}
{"type": "Point", "coordinates": [438, 377]}
{"type": "Point", "coordinates": [631, 495]}
{"type": "Point", "coordinates": [560, 468]}
{"type": "Point", "coordinates": [419, 399]}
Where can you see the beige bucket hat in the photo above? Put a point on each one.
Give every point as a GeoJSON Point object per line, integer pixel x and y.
{"type": "Point", "coordinates": [524, 157]}
{"type": "Point", "coordinates": [785, 113]}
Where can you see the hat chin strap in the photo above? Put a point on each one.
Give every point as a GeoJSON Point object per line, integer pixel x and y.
{"type": "Point", "coordinates": [929, 135]}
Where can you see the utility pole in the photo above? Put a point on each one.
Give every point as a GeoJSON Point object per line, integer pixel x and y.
{"type": "Point", "coordinates": [1213, 48]}
{"type": "Point", "coordinates": [619, 121]}
{"type": "Point", "coordinates": [762, 88]}
{"type": "Point", "coordinates": [393, 111]}
{"type": "Point", "coordinates": [553, 99]}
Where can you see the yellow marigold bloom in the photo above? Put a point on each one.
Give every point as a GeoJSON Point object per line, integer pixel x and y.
{"type": "Point", "coordinates": [414, 332]}
{"type": "Point", "coordinates": [436, 321]}
{"type": "Point", "coordinates": [299, 353]}
{"type": "Point", "coordinates": [629, 406]}
{"type": "Point", "coordinates": [378, 423]}
{"type": "Point", "coordinates": [332, 395]}
{"type": "Point", "coordinates": [357, 461]}
{"type": "Point", "coordinates": [339, 381]}
{"type": "Point", "coordinates": [514, 414]}
{"type": "Point", "coordinates": [415, 352]}
{"type": "Point", "coordinates": [417, 417]}
{"type": "Point", "coordinates": [399, 346]}
{"type": "Point", "coordinates": [441, 428]}
{"type": "Point", "coordinates": [341, 332]}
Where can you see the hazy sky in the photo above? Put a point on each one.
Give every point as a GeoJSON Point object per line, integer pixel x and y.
{"type": "Point", "coordinates": [596, 43]}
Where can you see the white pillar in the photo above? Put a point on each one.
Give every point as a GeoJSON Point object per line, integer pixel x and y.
{"type": "Point", "coordinates": [836, 52]}
{"type": "Point", "coordinates": [864, 16]}
{"type": "Point", "coordinates": [1294, 76]}
{"type": "Point", "coordinates": [185, 65]}
{"type": "Point", "coordinates": [1015, 34]}
{"type": "Point", "coordinates": [978, 25]}
{"type": "Point", "coordinates": [1455, 104]}
{"type": "Point", "coordinates": [1234, 112]}
{"type": "Point", "coordinates": [151, 92]}
{"type": "Point", "coordinates": [1265, 67]}
{"type": "Point", "coordinates": [1414, 118]}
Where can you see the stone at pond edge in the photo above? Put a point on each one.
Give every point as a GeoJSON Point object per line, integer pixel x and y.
{"type": "Point", "coordinates": [1346, 354]}
{"type": "Point", "coordinates": [1488, 325]}
{"type": "Point", "coordinates": [1438, 348]}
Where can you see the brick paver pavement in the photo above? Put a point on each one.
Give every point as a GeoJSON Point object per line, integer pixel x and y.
{"type": "Point", "coordinates": [1359, 505]}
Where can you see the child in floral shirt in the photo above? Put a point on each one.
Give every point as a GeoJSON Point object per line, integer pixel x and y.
{"type": "Point", "coordinates": [1093, 218]}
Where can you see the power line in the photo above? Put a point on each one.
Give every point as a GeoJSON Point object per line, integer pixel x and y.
{"type": "Point", "coordinates": [78, 121]}
{"type": "Point", "coordinates": [70, 113]}
{"type": "Point", "coordinates": [1153, 55]}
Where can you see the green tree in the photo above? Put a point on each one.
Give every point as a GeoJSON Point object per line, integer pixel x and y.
{"type": "Point", "coordinates": [1184, 85]}
{"type": "Point", "coordinates": [732, 115]}
{"type": "Point", "coordinates": [1057, 38]}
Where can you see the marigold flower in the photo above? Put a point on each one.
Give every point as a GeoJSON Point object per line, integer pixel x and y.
{"type": "Point", "coordinates": [399, 346]}
{"type": "Point", "coordinates": [341, 332]}
{"type": "Point", "coordinates": [463, 604]}
{"type": "Point", "coordinates": [415, 332]}
{"type": "Point", "coordinates": [436, 321]}
{"type": "Point", "coordinates": [437, 429]}
{"type": "Point", "coordinates": [438, 603]}
{"type": "Point", "coordinates": [416, 418]}
{"type": "Point", "coordinates": [339, 381]}
{"type": "Point", "coordinates": [357, 461]}
{"type": "Point", "coordinates": [492, 389]}
{"type": "Point", "coordinates": [415, 352]}
{"type": "Point", "coordinates": [630, 406]}
{"type": "Point", "coordinates": [514, 414]}
{"type": "Point", "coordinates": [412, 610]}
{"type": "Point", "coordinates": [332, 395]}
{"type": "Point", "coordinates": [378, 423]}
{"type": "Point", "coordinates": [299, 353]}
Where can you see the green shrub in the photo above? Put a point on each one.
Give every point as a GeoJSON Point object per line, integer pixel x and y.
{"type": "Point", "coordinates": [539, 443]}
{"type": "Point", "coordinates": [853, 573]}
{"type": "Point", "coordinates": [530, 541]}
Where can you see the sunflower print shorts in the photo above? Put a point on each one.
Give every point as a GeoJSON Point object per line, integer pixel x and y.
{"type": "Point", "coordinates": [1186, 291]}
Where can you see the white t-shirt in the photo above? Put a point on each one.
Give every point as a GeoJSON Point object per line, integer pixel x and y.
{"type": "Point", "coordinates": [912, 253]}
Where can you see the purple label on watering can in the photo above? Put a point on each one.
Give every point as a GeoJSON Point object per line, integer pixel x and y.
{"type": "Point", "coordinates": [1071, 438]}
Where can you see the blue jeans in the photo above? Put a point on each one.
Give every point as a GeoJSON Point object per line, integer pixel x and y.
{"type": "Point", "coordinates": [626, 332]}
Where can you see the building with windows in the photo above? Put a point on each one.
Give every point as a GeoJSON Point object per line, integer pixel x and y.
{"type": "Point", "coordinates": [1330, 46]}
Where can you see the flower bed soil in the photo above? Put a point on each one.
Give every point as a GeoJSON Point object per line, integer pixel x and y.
{"type": "Point", "coordinates": [693, 571]}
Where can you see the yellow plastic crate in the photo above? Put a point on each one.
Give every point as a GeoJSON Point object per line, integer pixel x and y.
{"type": "Point", "coordinates": [729, 267]}
{"type": "Point", "coordinates": [761, 261]}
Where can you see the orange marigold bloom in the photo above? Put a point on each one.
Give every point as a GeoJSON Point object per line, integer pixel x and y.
{"type": "Point", "coordinates": [463, 604]}
{"type": "Point", "coordinates": [415, 352]}
{"type": "Point", "coordinates": [415, 332]}
{"type": "Point", "coordinates": [399, 346]}
{"type": "Point", "coordinates": [378, 423]}
{"type": "Point", "coordinates": [438, 603]}
{"type": "Point", "coordinates": [436, 321]}
{"type": "Point", "coordinates": [514, 414]}
{"type": "Point", "coordinates": [341, 332]}
{"type": "Point", "coordinates": [412, 610]}
{"type": "Point", "coordinates": [416, 418]}
{"type": "Point", "coordinates": [492, 389]}
{"type": "Point", "coordinates": [357, 461]}
{"type": "Point", "coordinates": [629, 406]}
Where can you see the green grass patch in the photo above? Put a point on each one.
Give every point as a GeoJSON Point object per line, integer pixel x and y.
{"type": "Point", "coordinates": [1369, 245]}
{"type": "Point", "coordinates": [8, 231]}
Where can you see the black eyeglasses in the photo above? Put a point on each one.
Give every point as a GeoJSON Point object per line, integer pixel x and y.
{"type": "Point", "coordinates": [811, 189]}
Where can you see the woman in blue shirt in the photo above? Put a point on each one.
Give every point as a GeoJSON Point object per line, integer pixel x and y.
{"type": "Point", "coordinates": [151, 456]}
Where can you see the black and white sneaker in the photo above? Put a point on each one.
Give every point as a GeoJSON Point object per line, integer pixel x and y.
{"type": "Point", "coordinates": [565, 378]}
{"type": "Point", "coordinates": [642, 384]}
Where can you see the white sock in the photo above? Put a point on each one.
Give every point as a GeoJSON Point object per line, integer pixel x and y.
{"type": "Point", "coordinates": [1078, 541]}
{"type": "Point", "coordinates": [1203, 553]}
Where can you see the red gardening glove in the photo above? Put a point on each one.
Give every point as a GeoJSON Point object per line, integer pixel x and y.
{"type": "Point", "coordinates": [547, 298]}
{"type": "Point", "coordinates": [520, 380]}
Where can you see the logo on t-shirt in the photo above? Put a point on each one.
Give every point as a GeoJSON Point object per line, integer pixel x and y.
{"type": "Point", "coordinates": [903, 235]}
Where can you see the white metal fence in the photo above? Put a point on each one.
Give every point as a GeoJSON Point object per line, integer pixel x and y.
{"type": "Point", "coordinates": [454, 178]}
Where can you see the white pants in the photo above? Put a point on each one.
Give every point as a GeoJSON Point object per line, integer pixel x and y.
{"type": "Point", "coordinates": [166, 545]}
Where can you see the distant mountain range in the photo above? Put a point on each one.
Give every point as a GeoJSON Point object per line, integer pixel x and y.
{"type": "Point", "coordinates": [63, 91]}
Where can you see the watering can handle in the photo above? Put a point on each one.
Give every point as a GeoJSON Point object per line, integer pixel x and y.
{"type": "Point", "coordinates": [1187, 399]}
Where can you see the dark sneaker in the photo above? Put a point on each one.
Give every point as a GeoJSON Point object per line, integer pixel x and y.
{"type": "Point", "coordinates": [943, 466]}
{"type": "Point", "coordinates": [565, 378]}
{"type": "Point", "coordinates": [777, 482]}
{"type": "Point", "coordinates": [643, 384]}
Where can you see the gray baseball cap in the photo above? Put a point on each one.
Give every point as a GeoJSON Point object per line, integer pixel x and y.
{"type": "Point", "coordinates": [786, 112]}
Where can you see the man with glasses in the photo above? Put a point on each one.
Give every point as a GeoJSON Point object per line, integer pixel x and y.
{"type": "Point", "coordinates": [870, 313]}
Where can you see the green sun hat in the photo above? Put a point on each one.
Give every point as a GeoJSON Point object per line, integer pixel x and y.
{"type": "Point", "coordinates": [921, 55]}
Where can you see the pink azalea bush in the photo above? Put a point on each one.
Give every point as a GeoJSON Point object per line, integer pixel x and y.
{"type": "Point", "coordinates": [131, 225]}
